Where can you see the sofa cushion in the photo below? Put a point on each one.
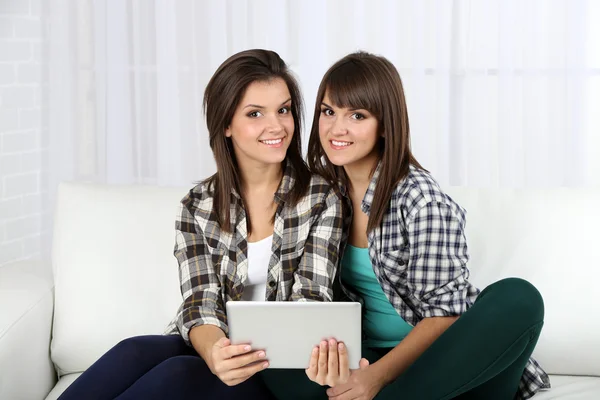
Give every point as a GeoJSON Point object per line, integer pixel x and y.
{"type": "Point", "coordinates": [114, 270]}
{"type": "Point", "coordinates": [62, 385]}
{"type": "Point", "coordinates": [566, 387]}
{"type": "Point", "coordinates": [549, 237]}
{"type": "Point", "coordinates": [26, 301]}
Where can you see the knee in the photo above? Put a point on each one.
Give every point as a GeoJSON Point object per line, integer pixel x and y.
{"type": "Point", "coordinates": [130, 347]}
{"type": "Point", "coordinates": [140, 347]}
{"type": "Point", "coordinates": [185, 366]}
{"type": "Point", "coordinates": [521, 298]}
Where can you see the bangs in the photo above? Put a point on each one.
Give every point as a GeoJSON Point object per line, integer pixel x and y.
{"type": "Point", "coordinates": [350, 85]}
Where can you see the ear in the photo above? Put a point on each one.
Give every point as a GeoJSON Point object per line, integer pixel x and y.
{"type": "Point", "coordinates": [228, 132]}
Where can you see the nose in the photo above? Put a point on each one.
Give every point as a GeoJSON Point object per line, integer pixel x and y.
{"type": "Point", "coordinates": [338, 128]}
{"type": "Point", "coordinates": [274, 125]}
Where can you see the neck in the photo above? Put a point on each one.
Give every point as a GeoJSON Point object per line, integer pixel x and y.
{"type": "Point", "coordinates": [260, 178]}
{"type": "Point", "coordinates": [360, 172]}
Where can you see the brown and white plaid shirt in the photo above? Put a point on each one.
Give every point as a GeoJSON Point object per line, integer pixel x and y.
{"type": "Point", "coordinates": [213, 264]}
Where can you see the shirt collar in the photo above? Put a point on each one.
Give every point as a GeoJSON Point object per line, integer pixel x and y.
{"type": "Point", "coordinates": [368, 199]}
{"type": "Point", "coordinates": [369, 195]}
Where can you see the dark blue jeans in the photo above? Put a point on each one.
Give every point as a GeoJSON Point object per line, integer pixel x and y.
{"type": "Point", "coordinates": [157, 367]}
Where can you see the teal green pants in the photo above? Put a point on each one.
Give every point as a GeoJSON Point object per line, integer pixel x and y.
{"type": "Point", "coordinates": [481, 356]}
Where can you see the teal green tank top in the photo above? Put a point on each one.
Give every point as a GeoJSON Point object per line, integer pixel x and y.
{"type": "Point", "coordinates": [381, 324]}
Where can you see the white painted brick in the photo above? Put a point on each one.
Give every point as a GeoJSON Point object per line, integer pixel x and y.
{"type": "Point", "coordinates": [23, 227]}
{"type": "Point", "coordinates": [16, 97]}
{"type": "Point", "coordinates": [30, 73]}
{"type": "Point", "coordinates": [19, 141]}
{"type": "Point", "coordinates": [10, 252]}
{"type": "Point", "coordinates": [9, 120]}
{"type": "Point", "coordinates": [31, 204]}
{"type": "Point", "coordinates": [28, 28]}
{"type": "Point", "coordinates": [36, 7]}
{"type": "Point", "coordinates": [10, 164]}
{"type": "Point", "coordinates": [32, 246]}
{"type": "Point", "coordinates": [9, 208]}
{"type": "Point", "coordinates": [6, 27]}
{"type": "Point", "coordinates": [21, 184]}
{"type": "Point", "coordinates": [37, 49]}
{"type": "Point", "coordinates": [37, 96]}
{"type": "Point", "coordinates": [7, 73]}
{"type": "Point", "coordinates": [15, 51]}
{"type": "Point", "coordinates": [31, 162]}
{"type": "Point", "coordinates": [14, 7]}
{"type": "Point", "coordinates": [30, 119]}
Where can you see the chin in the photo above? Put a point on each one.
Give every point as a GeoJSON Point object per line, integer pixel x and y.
{"type": "Point", "coordinates": [338, 161]}
{"type": "Point", "coordinates": [273, 160]}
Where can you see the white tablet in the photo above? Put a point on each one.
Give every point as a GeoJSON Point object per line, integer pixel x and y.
{"type": "Point", "coordinates": [289, 330]}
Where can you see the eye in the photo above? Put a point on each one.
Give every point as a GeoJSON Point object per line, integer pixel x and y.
{"type": "Point", "coordinates": [285, 110]}
{"type": "Point", "coordinates": [358, 116]}
{"type": "Point", "coordinates": [327, 112]}
{"type": "Point", "coordinates": [254, 114]}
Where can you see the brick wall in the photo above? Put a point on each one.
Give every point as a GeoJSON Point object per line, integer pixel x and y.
{"type": "Point", "coordinates": [23, 83]}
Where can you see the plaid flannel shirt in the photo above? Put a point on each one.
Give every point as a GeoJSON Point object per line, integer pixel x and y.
{"type": "Point", "coordinates": [213, 264]}
{"type": "Point", "coordinates": [420, 255]}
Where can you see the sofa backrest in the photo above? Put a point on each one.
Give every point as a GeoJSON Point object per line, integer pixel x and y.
{"type": "Point", "coordinates": [116, 276]}
{"type": "Point", "coordinates": [551, 238]}
{"type": "Point", "coordinates": [114, 270]}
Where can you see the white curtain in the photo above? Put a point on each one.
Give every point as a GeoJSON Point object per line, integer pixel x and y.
{"type": "Point", "coordinates": [500, 92]}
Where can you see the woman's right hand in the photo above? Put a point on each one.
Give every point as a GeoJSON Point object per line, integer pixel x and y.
{"type": "Point", "coordinates": [233, 364]}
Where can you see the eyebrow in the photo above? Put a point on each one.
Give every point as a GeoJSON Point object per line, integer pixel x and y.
{"type": "Point", "coordinates": [262, 107]}
{"type": "Point", "coordinates": [350, 109]}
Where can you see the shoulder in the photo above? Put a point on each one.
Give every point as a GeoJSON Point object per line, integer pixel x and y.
{"type": "Point", "coordinates": [320, 193]}
{"type": "Point", "coordinates": [199, 201]}
{"type": "Point", "coordinates": [419, 191]}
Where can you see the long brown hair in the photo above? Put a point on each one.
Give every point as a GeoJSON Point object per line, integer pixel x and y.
{"type": "Point", "coordinates": [366, 81]}
{"type": "Point", "coordinates": [222, 95]}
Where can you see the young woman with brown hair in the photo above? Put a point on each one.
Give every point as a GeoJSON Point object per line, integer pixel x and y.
{"type": "Point", "coordinates": [429, 333]}
{"type": "Point", "coordinates": [262, 228]}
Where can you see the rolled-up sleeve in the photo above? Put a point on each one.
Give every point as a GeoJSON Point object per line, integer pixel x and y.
{"type": "Point", "coordinates": [314, 277]}
{"type": "Point", "coordinates": [437, 268]}
{"type": "Point", "coordinates": [200, 284]}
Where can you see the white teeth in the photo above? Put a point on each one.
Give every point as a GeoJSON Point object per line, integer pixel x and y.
{"type": "Point", "coordinates": [336, 143]}
{"type": "Point", "coordinates": [272, 141]}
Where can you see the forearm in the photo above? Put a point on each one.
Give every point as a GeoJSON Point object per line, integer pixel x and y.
{"type": "Point", "coordinates": [394, 363]}
{"type": "Point", "coordinates": [203, 338]}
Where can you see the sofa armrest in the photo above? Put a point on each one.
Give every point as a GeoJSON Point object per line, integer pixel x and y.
{"type": "Point", "coordinates": [26, 305]}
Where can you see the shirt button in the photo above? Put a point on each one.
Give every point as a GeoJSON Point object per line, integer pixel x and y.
{"type": "Point", "coordinates": [271, 284]}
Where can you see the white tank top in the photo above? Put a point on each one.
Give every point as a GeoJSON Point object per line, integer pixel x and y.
{"type": "Point", "coordinates": [259, 254]}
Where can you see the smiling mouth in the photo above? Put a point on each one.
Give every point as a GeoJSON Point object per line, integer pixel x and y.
{"type": "Point", "coordinates": [272, 142]}
{"type": "Point", "coordinates": [340, 144]}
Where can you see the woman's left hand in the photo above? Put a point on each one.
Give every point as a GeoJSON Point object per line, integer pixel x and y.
{"type": "Point", "coordinates": [363, 384]}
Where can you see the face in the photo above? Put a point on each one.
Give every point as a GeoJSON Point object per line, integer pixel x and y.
{"type": "Point", "coordinates": [348, 136]}
{"type": "Point", "coordinates": [262, 127]}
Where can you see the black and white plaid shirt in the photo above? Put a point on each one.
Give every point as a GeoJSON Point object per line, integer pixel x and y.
{"type": "Point", "coordinates": [420, 257]}
{"type": "Point", "coordinates": [213, 264]}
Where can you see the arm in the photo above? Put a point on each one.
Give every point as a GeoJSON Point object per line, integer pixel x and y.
{"type": "Point", "coordinates": [438, 249]}
{"type": "Point", "coordinates": [203, 339]}
{"type": "Point", "coordinates": [201, 320]}
{"type": "Point", "coordinates": [394, 363]}
{"type": "Point", "coordinates": [314, 278]}
{"type": "Point", "coordinates": [437, 290]}
{"type": "Point", "coordinates": [200, 284]}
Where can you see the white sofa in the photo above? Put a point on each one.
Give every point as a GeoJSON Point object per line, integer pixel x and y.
{"type": "Point", "coordinates": [113, 276]}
